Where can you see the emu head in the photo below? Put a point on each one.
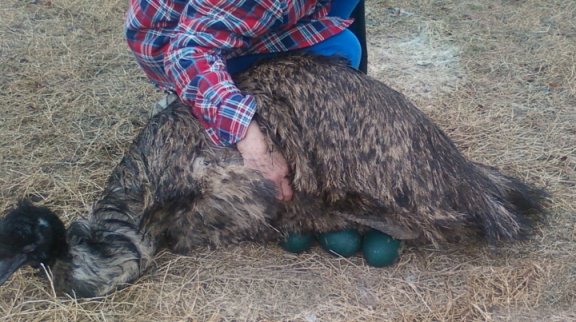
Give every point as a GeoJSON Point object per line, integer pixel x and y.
{"type": "Point", "coordinates": [30, 235]}
{"type": "Point", "coordinates": [85, 260]}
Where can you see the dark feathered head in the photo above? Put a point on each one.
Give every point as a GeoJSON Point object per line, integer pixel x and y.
{"type": "Point", "coordinates": [29, 235]}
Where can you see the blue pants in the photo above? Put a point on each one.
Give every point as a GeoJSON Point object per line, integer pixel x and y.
{"type": "Point", "coordinates": [344, 44]}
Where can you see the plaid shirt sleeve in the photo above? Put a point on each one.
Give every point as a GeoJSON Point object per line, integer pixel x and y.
{"type": "Point", "coordinates": [182, 45]}
{"type": "Point", "coordinates": [202, 82]}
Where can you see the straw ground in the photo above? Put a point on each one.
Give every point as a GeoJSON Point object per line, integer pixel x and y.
{"type": "Point", "coordinates": [498, 76]}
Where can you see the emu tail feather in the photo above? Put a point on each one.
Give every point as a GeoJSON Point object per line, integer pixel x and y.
{"type": "Point", "coordinates": [525, 198]}
{"type": "Point", "coordinates": [517, 206]}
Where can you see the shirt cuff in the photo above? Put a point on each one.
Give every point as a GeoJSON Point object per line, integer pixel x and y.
{"type": "Point", "coordinates": [234, 117]}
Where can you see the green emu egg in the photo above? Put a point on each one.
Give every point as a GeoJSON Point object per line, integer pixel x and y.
{"type": "Point", "coordinates": [344, 242]}
{"type": "Point", "coordinates": [297, 243]}
{"type": "Point", "coordinates": [379, 249]}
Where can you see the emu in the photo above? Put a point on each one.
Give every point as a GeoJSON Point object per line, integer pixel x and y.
{"type": "Point", "coordinates": [361, 157]}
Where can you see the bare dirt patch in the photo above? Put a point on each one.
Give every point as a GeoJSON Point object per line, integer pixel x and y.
{"type": "Point", "coordinates": [498, 76]}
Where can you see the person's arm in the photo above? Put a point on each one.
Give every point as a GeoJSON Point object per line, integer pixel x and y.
{"type": "Point", "coordinates": [194, 67]}
{"type": "Point", "coordinates": [203, 83]}
{"type": "Point", "coordinates": [195, 62]}
{"type": "Point", "coordinates": [225, 112]}
{"type": "Point", "coordinates": [271, 164]}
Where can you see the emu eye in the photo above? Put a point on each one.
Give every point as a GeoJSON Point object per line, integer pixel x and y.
{"type": "Point", "coordinates": [29, 248]}
{"type": "Point", "coordinates": [43, 223]}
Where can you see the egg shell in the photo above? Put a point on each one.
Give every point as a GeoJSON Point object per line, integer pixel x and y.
{"type": "Point", "coordinates": [297, 243]}
{"type": "Point", "coordinates": [380, 249]}
{"type": "Point", "coordinates": [344, 242]}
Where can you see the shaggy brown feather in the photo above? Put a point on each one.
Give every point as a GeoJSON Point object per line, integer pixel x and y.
{"type": "Point", "coordinates": [361, 156]}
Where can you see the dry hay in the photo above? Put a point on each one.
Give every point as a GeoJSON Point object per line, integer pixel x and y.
{"type": "Point", "coordinates": [498, 76]}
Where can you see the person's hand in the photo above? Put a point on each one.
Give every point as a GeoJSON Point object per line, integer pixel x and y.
{"type": "Point", "coordinates": [271, 164]}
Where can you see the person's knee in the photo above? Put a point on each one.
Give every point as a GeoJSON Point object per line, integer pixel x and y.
{"type": "Point", "coordinates": [352, 49]}
{"type": "Point", "coordinates": [344, 44]}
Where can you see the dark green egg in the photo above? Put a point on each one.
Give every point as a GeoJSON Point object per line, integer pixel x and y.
{"type": "Point", "coordinates": [344, 242]}
{"type": "Point", "coordinates": [297, 243]}
{"type": "Point", "coordinates": [379, 249]}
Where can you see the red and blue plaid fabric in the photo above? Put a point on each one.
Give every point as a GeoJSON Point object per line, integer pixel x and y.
{"type": "Point", "coordinates": [183, 45]}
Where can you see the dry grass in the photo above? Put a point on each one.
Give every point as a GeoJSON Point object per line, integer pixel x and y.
{"type": "Point", "coordinates": [499, 76]}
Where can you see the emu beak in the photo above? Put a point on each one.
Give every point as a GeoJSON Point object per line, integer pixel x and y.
{"type": "Point", "coordinates": [10, 265]}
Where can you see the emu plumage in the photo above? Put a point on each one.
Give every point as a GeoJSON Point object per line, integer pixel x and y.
{"type": "Point", "coordinates": [360, 154]}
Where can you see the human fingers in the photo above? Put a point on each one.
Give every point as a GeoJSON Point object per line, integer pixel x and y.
{"type": "Point", "coordinates": [287, 192]}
